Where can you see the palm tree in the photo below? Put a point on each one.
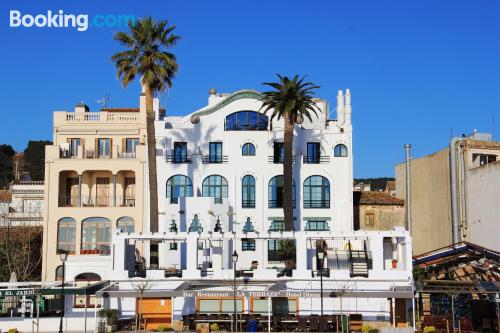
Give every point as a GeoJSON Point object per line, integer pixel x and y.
{"type": "Point", "coordinates": [287, 253]}
{"type": "Point", "coordinates": [146, 55]}
{"type": "Point", "coordinates": [292, 100]}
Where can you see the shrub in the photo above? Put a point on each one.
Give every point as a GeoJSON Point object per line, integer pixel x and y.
{"type": "Point", "coordinates": [163, 328]}
{"type": "Point", "coordinates": [111, 316]}
{"type": "Point", "coordinates": [430, 329]}
{"type": "Point", "coordinates": [12, 330]}
{"type": "Point", "coordinates": [366, 328]}
{"type": "Point", "coordinates": [374, 330]}
{"type": "Point", "coordinates": [214, 327]}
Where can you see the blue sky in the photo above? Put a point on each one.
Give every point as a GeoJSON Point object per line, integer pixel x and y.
{"type": "Point", "coordinates": [416, 69]}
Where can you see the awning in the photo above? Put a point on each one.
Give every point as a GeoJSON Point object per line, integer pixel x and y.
{"type": "Point", "coordinates": [54, 290]}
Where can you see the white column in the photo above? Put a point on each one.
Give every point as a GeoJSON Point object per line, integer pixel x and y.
{"type": "Point", "coordinates": [114, 190]}
{"type": "Point", "coordinates": [301, 255]}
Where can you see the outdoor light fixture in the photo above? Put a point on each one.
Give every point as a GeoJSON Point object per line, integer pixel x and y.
{"type": "Point", "coordinates": [321, 255]}
{"type": "Point", "coordinates": [235, 257]}
{"type": "Point", "coordinates": [63, 256]}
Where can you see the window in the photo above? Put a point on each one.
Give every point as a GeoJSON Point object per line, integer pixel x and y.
{"type": "Point", "coordinates": [369, 218]}
{"type": "Point", "coordinates": [317, 226]}
{"type": "Point", "coordinates": [83, 280]}
{"type": "Point", "coordinates": [173, 246]}
{"type": "Point", "coordinates": [481, 159]}
{"type": "Point", "coordinates": [279, 152]}
{"type": "Point", "coordinates": [200, 246]}
{"type": "Point", "coordinates": [66, 235]}
{"type": "Point", "coordinates": [340, 150]}
{"type": "Point", "coordinates": [180, 152]}
{"type": "Point", "coordinates": [248, 226]}
{"type": "Point", "coordinates": [103, 148]}
{"type": "Point", "coordinates": [96, 236]}
{"type": "Point", "coordinates": [247, 244]}
{"type": "Point", "coordinates": [195, 225]}
{"type": "Point", "coordinates": [313, 152]}
{"type": "Point", "coordinates": [248, 192]}
{"type": "Point", "coordinates": [246, 121]}
{"type": "Point", "coordinates": [275, 192]}
{"type": "Point", "coordinates": [248, 149]}
{"type": "Point", "coordinates": [277, 248]}
{"type": "Point", "coordinates": [316, 192]}
{"type": "Point", "coordinates": [130, 144]}
{"type": "Point", "coordinates": [125, 224]}
{"type": "Point", "coordinates": [215, 152]}
{"type": "Point", "coordinates": [215, 186]}
{"type": "Point", "coordinates": [74, 147]}
{"type": "Point", "coordinates": [179, 186]}
{"type": "Point", "coordinates": [277, 226]}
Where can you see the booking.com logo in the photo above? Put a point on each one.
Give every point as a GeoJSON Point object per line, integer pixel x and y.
{"type": "Point", "coordinates": [61, 20]}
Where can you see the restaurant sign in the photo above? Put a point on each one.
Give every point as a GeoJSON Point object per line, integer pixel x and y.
{"type": "Point", "coordinates": [223, 293]}
{"type": "Point", "coordinates": [16, 292]}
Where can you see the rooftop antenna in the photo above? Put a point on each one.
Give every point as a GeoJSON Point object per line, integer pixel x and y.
{"type": "Point", "coordinates": [104, 101]}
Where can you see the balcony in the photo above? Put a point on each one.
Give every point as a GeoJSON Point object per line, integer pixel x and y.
{"type": "Point", "coordinates": [315, 159]}
{"type": "Point", "coordinates": [126, 155]}
{"type": "Point", "coordinates": [67, 200]}
{"type": "Point", "coordinates": [320, 203]}
{"type": "Point", "coordinates": [217, 159]}
{"type": "Point", "coordinates": [277, 159]}
{"type": "Point", "coordinates": [248, 204]}
{"type": "Point", "coordinates": [176, 159]}
{"type": "Point", "coordinates": [102, 117]}
{"type": "Point", "coordinates": [278, 203]}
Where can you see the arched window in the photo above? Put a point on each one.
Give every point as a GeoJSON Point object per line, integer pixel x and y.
{"type": "Point", "coordinates": [96, 236]}
{"type": "Point", "coordinates": [83, 280]}
{"type": "Point", "coordinates": [179, 186]}
{"type": "Point", "coordinates": [248, 192]}
{"type": "Point", "coordinates": [59, 273]}
{"type": "Point", "coordinates": [275, 192]}
{"type": "Point", "coordinates": [248, 149]}
{"type": "Point", "coordinates": [215, 186]}
{"type": "Point", "coordinates": [125, 224]}
{"type": "Point", "coordinates": [340, 150]}
{"type": "Point", "coordinates": [66, 235]}
{"type": "Point", "coordinates": [246, 121]}
{"type": "Point", "coordinates": [316, 192]}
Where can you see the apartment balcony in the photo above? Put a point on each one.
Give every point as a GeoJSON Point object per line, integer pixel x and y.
{"type": "Point", "coordinates": [215, 159]}
{"type": "Point", "coordinates": [97, 118]}
{"type": "Point", "coordinates": [277, 159]}
{"type": "Point", "coordinates": [278, 203]}
{"type": "Point", "coordinates": [67, 200]}
{"type": "Point", "coordinates": [176, 159]}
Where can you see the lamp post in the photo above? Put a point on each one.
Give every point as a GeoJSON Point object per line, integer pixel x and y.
{"type": "Point", "coordinates": [63, 256]}
{"type": "Point", "coordinates": [321, 256]}
{"type": "Point", "coordinates": [235, 260]}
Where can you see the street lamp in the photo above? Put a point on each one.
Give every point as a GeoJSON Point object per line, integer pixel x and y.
{"type": "Point", "coordinates": [63, 256]}
{"type": "Point", "coordinates": [321, 256]}
{"type": "Point", "coordinates": [235, 260]}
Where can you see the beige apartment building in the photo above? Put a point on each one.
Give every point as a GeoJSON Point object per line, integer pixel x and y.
{"type": "Point", "coordinates": [95, 175]}
{"type": "Point", "coordinates": [439, 216]}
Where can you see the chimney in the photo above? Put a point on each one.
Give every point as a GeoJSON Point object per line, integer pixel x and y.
{"type": "Point", "coordinates": [81, 107]}
{"type": "Point", "coordinates": [347, 110]}
{"type": "Point", "coordinates": [340, 108]}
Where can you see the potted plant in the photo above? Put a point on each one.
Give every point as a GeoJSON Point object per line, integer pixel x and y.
{"type": "Point", "coordinates": [111, 318]}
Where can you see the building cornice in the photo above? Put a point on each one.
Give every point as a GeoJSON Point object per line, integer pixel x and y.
{"type": "Point", "coordinates": [240, 94]}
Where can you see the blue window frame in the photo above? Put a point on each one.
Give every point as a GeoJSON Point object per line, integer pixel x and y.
{"type": "Point", "coordinates": [247, 244]}
{"type": "Point", "coordinates": [340, 150]}
{"type": "Point", "coordinates": [179, 186]}
{"type": "Point", "coordinates": [215, 152]}
{"type": "Point", "coordinates": [275, 192]}
{"type": "Point", "coordinates": [313, 152]}
{"type": "Point", "coordinates": [248, 149]}
{"type": "Point", "coordinates": [180, 152]}
{"type": "Point", "coordinates": [248, 226]}
{"type": "Point", "coordinates": [317, 226]}
{"type": "Point", "coordinates": [215, 186]}
{"type": "Point", "coordinates": [248, 192]}
{"type": "Point", "coordinates": [316, 192]}
{"type": "Point", "coordinates": [246, 121]}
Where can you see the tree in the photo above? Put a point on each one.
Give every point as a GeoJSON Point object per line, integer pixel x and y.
{"type": "Point", "coordinates": [146, 55]}
{"type": "Point", "coordinates": [34, 158]}
{"type": "Point", "coordinates": [292, 100]}
{"type": "Point", "coordinates": [287, 252]}
{"type": "Point", "coordinates": [6, 174]}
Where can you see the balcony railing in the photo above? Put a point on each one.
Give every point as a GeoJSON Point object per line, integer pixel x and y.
{"type": "Point", "coordinates": [102, 249]}
{"type": "Point", "coordinates": [320, 203]}
{"type": "Point", "coordinates": [278, 203]}
{"type": "Point", "coordinates": [66, 200]}
{"type": "Point", "coordinates": [102, 117]}
{"type": "Point", "coordinates": [126, 155]}
{"type": "Point", "coordinates": [178, 159]}
{"type": "Point", "coordinates": [315, 159]}
{"type": "Point", "coordinates": [215, 159]}
{"type": "Point", "coordinates": [277, 159]}
{"type": "Point", "coordinates": [248, 204]}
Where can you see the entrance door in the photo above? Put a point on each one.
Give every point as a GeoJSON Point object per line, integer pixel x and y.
{"type": "Point", "coordinates": [102, 191]}
{"type": "Point", "coordinates": [155, 312]}
{"type": "Point", "coordinates": [400, 309]}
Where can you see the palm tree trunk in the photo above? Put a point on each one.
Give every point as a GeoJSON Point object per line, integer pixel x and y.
{"type": "Point", "coordinates": [288, 175]}
{"type": "Point", "coordinates": [151, 141]}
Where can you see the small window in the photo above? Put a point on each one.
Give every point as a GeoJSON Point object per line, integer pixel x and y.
{"type": "Point", "coordinates": [340, 150]}
{"type": "Point", "coordinates": [200, 245]}
{"type": "Point", "coordinates": [248, 149]}
{"type": "Point", "coordinates": [277, 226]}
{"type": "Point", "coordinates": [247, 244]}
{"type": "Point", "coordinates": [369, 218]}
{"type": "Point", "coordinates": [317, 226]}
{"type": "Point", "coordinates": [173, 246]}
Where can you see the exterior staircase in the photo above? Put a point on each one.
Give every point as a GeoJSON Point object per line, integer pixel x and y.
{"type": "Point", "coordinates": [358, 261]}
